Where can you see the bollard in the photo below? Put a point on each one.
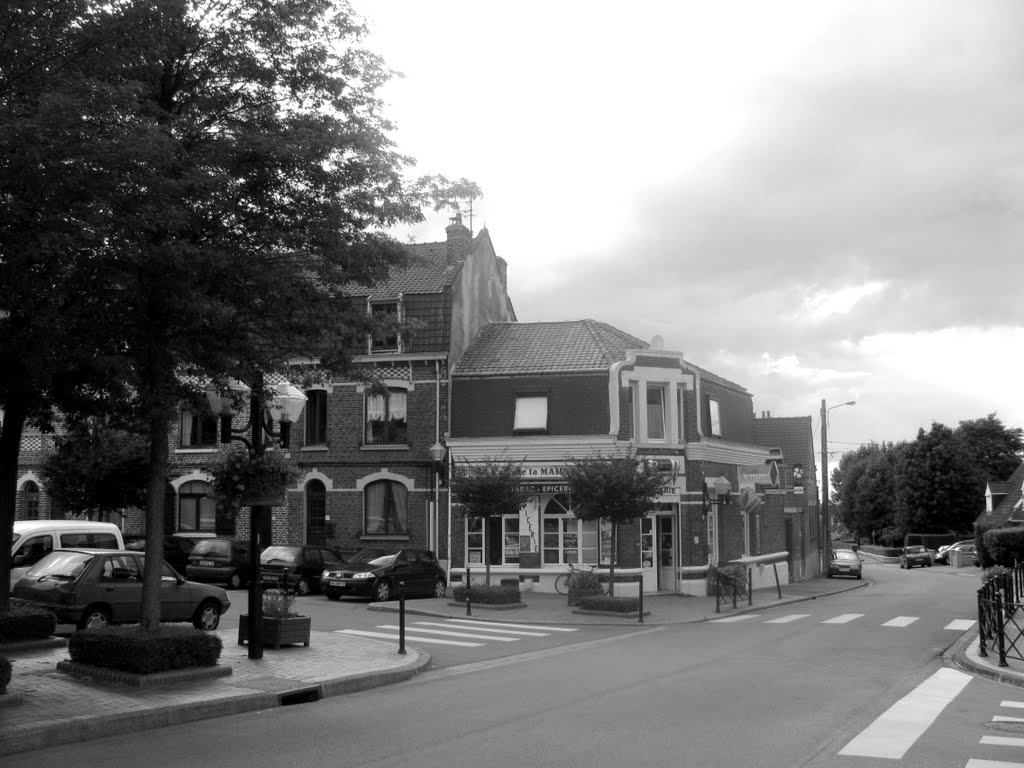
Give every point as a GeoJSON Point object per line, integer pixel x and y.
{"type": "Point", "coordinates": [401, 617]}
{"type": "Point", "coordinates": [750, 586]}
{"type": "Point", "coordinates": [981, 624]}
{"type": "Point", "coordinates": [469, 602]}
{"type": "Point", "coordinates": [640, 584]}
{"type": "Point", "coordinates": [999, 629]}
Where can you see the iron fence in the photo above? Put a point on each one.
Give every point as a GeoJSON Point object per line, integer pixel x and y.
{"type": "Point", "coordinates": [1001, 615]}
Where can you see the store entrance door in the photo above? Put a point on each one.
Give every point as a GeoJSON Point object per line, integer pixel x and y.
{"type": "Point", "coordinates": [666, 554]}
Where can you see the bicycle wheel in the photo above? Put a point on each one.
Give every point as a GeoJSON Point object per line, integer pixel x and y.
{"type": "Point", "coordinates": [562, 584]}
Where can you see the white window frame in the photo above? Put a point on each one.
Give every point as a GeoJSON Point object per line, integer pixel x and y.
{"type": "Point", "coordinates": [531, 413]}
{"type": "Point", "coordinates": [662, 391]}
{"type": "Point", "coordinates": [399, 312]}
{"type": "Point", "coordinates": [714, 418]}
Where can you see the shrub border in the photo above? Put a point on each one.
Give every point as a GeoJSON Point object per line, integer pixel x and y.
{"type": "Point", "coordinates": [107, 675]}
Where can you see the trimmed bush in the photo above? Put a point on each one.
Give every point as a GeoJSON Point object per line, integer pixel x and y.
{"type": "Point", "coordinates": [1003, 546]}
{"type": "Point", "coordinates": [730, 576]}
{"type": "Point", "coordinates": [995, 572]}
{"type": "Point", "coordinates": [132, 649]}
{"type": "Point", "coordinates": [24, 623]}
{"type": "Point", "coordinates": [488, 594]}
{"type": "Point", "coordinates": [610, 604]}
{"type": "Point", "coordinates": [5, 673]}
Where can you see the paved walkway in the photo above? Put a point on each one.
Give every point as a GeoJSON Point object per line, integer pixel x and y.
{"type": "Point", "coordinates": [45, 707]}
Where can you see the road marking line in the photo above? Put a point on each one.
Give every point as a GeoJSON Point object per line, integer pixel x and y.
{"type": "Point", "coordinates": [516, 626]}
{"type": "Point", "coordinates": [517, 632]}
{"type": "Point", "coordinates": [731, 619]}
{"type": "Point", "coordinates": [411, 632]}
{"type": "Point", "coordinates": [901, 621]}
{"type": "Point", "coordinates": [1002, 741]}
{"type": "Point", "coordinates": [383, 636]}
{"type": "Point", "coordinates": [1006, 719]}
{"type": "Point", "coordinates": [1013, 704]}
{"type": "Point", "coordinates": [896, 729]}
{"type": "Point", "coordinates": [843, 618]}
{"type": "Point", "coordinates": [789, 618]}
{"type": "Point", "coordinates": [972, 763]}
{"type": "Point", "coordinates": [961, 624]}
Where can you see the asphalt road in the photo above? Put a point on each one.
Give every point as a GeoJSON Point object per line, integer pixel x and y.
{"type": "Point", "coordinates": [851, 680]}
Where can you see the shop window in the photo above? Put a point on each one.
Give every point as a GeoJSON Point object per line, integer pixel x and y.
{"type": "Point", "coordinates": [386, 316]}
{"type": "Point", "coordinates": [316, 513]}
{"type": "Point", "coordinates": [386, 417]}
{"type": "Point", "coordinates": [531, 413]}
{"type": "Point", "coordinates": [647, 541]}
{"type": "Point", "coordinates": [714, 420]}
{"type": "Point", "coordinates": [196, 508]}
{"type": "Point", "coordinates": [566, 538]}
{"type": "Point", "coordinates": [510, 539]}
{"type": "Point", "coordinates": [474, 541]}
{"type": "Point", "coordinates": [198, 429]}
{"type": "Point", "coordinates": [315, 413]}
{"type": "Point", "coordinates": [386, 508]}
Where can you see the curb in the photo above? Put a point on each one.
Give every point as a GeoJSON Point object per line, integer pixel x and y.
{"type": "Point", "coordinates": [956, 655]}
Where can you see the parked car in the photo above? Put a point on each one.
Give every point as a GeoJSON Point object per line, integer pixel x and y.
{"type": "Point", "coordinates": [220, 561]}
{"type": "Point", "coordinates": [94, 588]}
{"type": "Point", "coordinates": [942, 556]}
{"type": "Point", "coordinates": [297, 567]}
{"type": "Point", "coordinates": [376, 573]}
{"type": "Point", "coordinates": [177, 547]}
{"type": "Point", "coordinates": [845, 562]}
{"type": "Point", "coordinates": [915, 555]}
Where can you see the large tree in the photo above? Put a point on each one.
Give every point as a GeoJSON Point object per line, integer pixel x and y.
{"type": "Point", "coordinates": [486, 491]}
{"type": "Point", "coordinates": [243, 172]}
{"type": "Point", "coordinates": [995, 449]}
{"type": "Point", "coordinates": [618, 489]}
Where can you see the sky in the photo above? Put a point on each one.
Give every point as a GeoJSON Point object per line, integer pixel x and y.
{"type": "Point", "coordinates": [817, 200]}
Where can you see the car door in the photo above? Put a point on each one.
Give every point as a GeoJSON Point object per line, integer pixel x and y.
{"type": "Point", "coordinates": [312, 566]}
{"type": "Point", "coordinates": [119, 584]}
{"type": "Point", "coordinates": [403, 570]}
{"type": "Point", "coordinates": [175, 596]}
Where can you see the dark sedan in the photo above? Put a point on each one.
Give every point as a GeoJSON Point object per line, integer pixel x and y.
{"type": "Point", "coordinates": [845, 562]}
{"type": "Point", "coordinates": [377, 574]}
{"type": "Point", "coordinates": [296, 567]}
{"type": "Point", "coordinates": [94, 588]}
{"type": "Point", "coordinates": [915, 555]}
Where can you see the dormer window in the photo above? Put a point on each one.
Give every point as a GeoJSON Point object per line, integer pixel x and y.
{"type": "Point", "coordinates": [531, 413]}
{"type": "Point", "coordinates": [714, 420]}
{"type": "Point", "coordinates": [655, 412]}
{"type": "Point", "coordinates": [386, 317]}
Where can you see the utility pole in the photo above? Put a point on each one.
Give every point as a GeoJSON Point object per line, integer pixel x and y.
{"type": "Point", "coordinates": [826, 529]}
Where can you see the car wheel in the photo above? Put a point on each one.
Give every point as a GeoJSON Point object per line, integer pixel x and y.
{"type": "Point", "coordinates": [333, 595]}
{"type": "Point", "coordinates": [235, 581]}
{"type": "Point", "coordinates": [440, 588]}
{"type": "Point", "coordinates": [382, 591]}
{"type": "Point", "coordinates": [94, 617]}
{"type": "Point", "coordinates": [302, 586]}
{"type": "Point", "coordinates": [207, 616]}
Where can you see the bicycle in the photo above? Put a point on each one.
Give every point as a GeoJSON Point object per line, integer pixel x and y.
{"type": "Point", "coordinates": [577, 577]}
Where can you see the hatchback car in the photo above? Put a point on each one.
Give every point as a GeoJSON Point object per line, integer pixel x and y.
{"type": "Point", "coordinates": [915, 555]}
{"type": "Point", "coordinates": [297, 567]}
{"type": "Point", "coordinates": [94, 588]}
{"type": "Point", "coordinates": [220, 561]}
{"type": "Point", "coordinates": [845, 562]}
{"type": "Point", "coordinates": [376, 574]}
{"type": "Point", "coordinates": [177, 547]}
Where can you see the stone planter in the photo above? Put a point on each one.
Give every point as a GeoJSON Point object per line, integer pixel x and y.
{"type": "Point", "coordinates": [277, 632]}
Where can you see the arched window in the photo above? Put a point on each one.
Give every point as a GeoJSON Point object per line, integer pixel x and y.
{"type": "Point", "coordinates": [386, 508]}
{"type": "Point", "coordinates": [316, 513]}
{"type": "Point", "coordinates": [30, 496]}
{"type": "Point", "coordinates": [197, 511]}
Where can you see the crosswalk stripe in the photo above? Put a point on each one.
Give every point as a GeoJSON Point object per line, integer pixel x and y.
{"type": "Point", "coordinates": [1002, 741]}
{"type": "Point", "coordinates": [1007, 719]}
{"type": "Point", "coordinates": [901, 621]}
{"type": "Point", "coordinates": [961, 624]}
{"type": "Point", "coordinates": [516, 626]}
{"type": "Point", "coordinates": [731, 619]}
{"type": "Point", "coordinates": [1012, 704]}
{"type": "Point", "coordinates": [843, 618]}
{"type": "Point", "coordinates": [384, 636]}
{"type": "Point", "coordinates": [972, 763]}
{"type": "Point", "coordinates": [517, 632]}
{"type": "Point", "coordinates": [896, 729]}
{"type": "Point", "coordinates": [789, 618]}
{"type": "Point", "coordinates": [415, 632]}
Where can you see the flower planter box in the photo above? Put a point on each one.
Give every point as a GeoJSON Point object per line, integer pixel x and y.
{"type": "Point", "coordinates": [277, 632]}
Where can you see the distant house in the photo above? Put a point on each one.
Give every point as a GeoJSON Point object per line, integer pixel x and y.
{"type": "Point", "coordinates": [544, 394]}
{"type": "Point", "coordinates": [1004, 501]}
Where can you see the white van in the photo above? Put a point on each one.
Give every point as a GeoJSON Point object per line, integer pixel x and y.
{"type": "Point", "coordinates": [34, 539]}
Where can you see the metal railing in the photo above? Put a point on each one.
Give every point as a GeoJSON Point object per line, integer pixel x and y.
{"type": "Point", "coordinates": [1001, 616]}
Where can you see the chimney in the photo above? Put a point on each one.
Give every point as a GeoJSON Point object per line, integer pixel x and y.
{"type": "Point", "coordinates": [460, 239]}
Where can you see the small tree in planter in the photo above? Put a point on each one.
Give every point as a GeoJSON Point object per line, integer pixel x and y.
{"type": "Point", "coordinates": [243, 479]}
{"type": "Point", "coordinates": [282, 625]}
{"type": "Point", "coordinates": [491, 489]}
{"type": "Point", "coordinates": [617, 489]}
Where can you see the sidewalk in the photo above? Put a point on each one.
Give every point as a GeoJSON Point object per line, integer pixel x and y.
{"type": "Point", "coordinates": [46, 707]}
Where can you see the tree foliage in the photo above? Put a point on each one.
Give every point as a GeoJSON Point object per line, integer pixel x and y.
{"type": "Point", "coordinates": [619, 489]}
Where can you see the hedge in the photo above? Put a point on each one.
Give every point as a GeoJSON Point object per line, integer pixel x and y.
{"type": "Point", "coordinates": [133, 649]}
{"type": "Point", "coordinates": [5, 673]}
{"type": "Point", "coordinates": [25, 623]}
{"type": "Point", "coordinates": [488, 594]}
{"type": "Point", "coordinates": [610, 604]}
{"type": "Point", "coordinates": [1001, 546]}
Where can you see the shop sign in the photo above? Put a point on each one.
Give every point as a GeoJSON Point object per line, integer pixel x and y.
{"type": "Point", "coordinates": [541, 472]}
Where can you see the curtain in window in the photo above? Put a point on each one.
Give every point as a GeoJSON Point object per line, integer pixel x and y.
{"type": "Point", "coordinates": [375, 493]}
{"type": "Point", "coordinates": [375, 408]}
{"type": "Point", "coordinates": [187, 436]}
{"type": "Point", "coordinates": [399, 400]}
{"type": "Point", "coordinates": [387, 507]}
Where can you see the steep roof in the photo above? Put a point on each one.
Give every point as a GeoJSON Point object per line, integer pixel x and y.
{"type": "Point", "coordinates": [572, 346]}
{"type": "Point", "coordinates": [428, 272]}
{"type": "Point", "coordinates": [794, 435]}
{"type": "Point", "coordinates": [1012, 505]}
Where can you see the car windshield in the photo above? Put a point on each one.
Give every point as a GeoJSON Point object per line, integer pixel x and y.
{"type": "Point", "coordinates": [211, 547]}
{"type": "Point", "coordinates": [372, 556]}
{"type": "Point", "coordinates": [60, 565]}
{"type": "Point", "coordinates": [280, 555]}
{"type": "Point", "coordinates": [916, 550]}
{"type": "Point", "coordinates": [845, 555]}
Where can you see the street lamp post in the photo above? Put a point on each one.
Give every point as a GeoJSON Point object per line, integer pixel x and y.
{"type": "Point", "coordinates": [285, 407]}
{"type": "Point", "coordinates": [826, 528]}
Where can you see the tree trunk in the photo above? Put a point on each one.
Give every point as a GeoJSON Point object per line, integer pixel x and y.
{"type": "Point", "coordinates": [10, 447]}
{"type": "Point", "coordinates": [155, 492]}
